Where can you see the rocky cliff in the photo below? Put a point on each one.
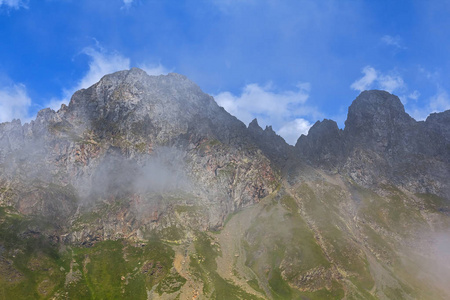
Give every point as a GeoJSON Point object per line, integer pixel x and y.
{"type": "Point", "coordinates": [381, 143]}
{"type": "Point", "coordinates": [133, 138]}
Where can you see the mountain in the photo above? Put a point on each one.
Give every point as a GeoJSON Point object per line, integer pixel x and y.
{"type": "Point", "coordinates": [144, 188]}
{"type": "Point", "coordinates": [382, 143]}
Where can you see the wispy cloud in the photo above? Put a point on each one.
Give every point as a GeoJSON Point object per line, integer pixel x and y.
{"type": "Point", "coordinates": [101, 63]}
{"type": "Point", "coordinates": [15, 4]}
{"type": "Point", "coordinates": [127, 3]}
{"type": "Point", "coordinates": [375, 79]}
{"type": "Point", "coordinates": [365, 82]}
{"type": "Point", "coordinates": [394, 41]}
{"type": "Point", "coordinates": [437, 103]}
{"type": "Point", "coordinates": [152, 69]}
{"type": "Point", "coordinates": [14, 103]}
{"type": "Point", "coordinates": [391, 83]}
{"type": "Point", "coordinates": [284, 110]}
{"type": "Point", "coordinates": [440, 101]}
{"type": "Point", "coordinates": [414, 95]}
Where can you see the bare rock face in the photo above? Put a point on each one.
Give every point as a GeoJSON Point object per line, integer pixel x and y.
{"type": "Point", "coordinates": [323, 146]}
{"type": "Point", "coordinates": [139, 140]}
{"type": "Point", "coordinates": [377, 121]}
{"type": "Point", "coordinates": [273, 145]}
{"type": "Point", "coordinates": [382, 144]}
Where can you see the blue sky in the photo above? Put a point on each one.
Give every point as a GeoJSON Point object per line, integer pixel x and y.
{"type": "Point", "coordinates": [287, 62]}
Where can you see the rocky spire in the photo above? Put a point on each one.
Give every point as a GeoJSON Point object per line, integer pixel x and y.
{"type": "Point", "coordinates": [323, 145]}
{"type": "Point", "coordinates": [377, 120]}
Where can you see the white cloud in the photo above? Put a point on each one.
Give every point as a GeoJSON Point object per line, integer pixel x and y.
{"type": "Point", "coordinates": [395, 41]}
{"type": "Point", "coordinates": [414, 95]}
{"type": "Point", "coordinates": [154, 69]}
{"type": "Point", "coordinates": [127, 3]}
{"type": "Point", "coordinates": [375, 79]}
{"type": "Point", "coordinates": [14, 103]}
{"type": "Point", "coordinates": [279, 109]}
{"type": "Point", "coordinates": [101, 63]}
{"type": "Point", "coordinates": [364, 83]}
{"type": "Point", "coordinates": [292, 130]}
{"type": "Point", "coordinates": [437, 103]}
{"type": "Point", "coordinates": [390, 83]}
{"type": "Point", "coordinates": [16, 4]}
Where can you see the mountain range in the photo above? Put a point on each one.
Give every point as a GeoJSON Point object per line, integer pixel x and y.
{"type": "Point", "coordinates": [144, 188]}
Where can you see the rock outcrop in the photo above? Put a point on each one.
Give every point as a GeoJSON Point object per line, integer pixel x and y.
{"type": "Point", "coordinates": [323, 146]}
{"type": "Point", "coordinates": [381, 143]}
{"type": "Point", "coordinates": [272, 145]}
{"type": "Point", "coordinates": [127, 132]}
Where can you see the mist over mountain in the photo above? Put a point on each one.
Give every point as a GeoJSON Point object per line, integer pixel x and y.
{"type": "Point", "coordinates": [144, 188]}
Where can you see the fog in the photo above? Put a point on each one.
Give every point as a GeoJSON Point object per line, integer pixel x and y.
{"type": "Point", "coordinates": [436, 265]}
{"type": "Point", "coordinates": [427, 260]}
{"type": "Point", "coordinates": [116, 175]}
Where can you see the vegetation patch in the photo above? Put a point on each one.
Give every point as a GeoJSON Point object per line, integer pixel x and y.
{"type": "Point", "coordinates": [203, 265]}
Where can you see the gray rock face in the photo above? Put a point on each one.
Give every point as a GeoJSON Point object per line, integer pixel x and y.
{"type": "Point", "coordinates": [167, 106]}
{"type": "Point", "coordinates": [136, 139]}
{"type": "Point", "coordinates": [381, 143]}
{"type": "Point", "coordinates": [272, 145]}
{"type": "Point", "coordinates": [377, 120]}
{"type": "Point", "coordinates": [323, 146]}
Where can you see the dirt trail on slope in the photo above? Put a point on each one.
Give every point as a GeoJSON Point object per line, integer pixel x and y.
{"type": "Point", "coordinates": [192, 289]}
{"type": "Point", "coordinates": [231, 265]}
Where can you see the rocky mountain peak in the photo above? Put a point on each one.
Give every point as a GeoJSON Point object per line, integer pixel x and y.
{"type": "Point", "coordinates": [440, 123]}
{"type": "Point", "coordinates": [376, 119]}
{"type": "Point", "coordinates": [254, 127]}
{"type": "Point", "coordinates": [273, 145]}
{"type": "Point", "coordinates": [128, 127]}
{"type": "Point", "coordinates": [382, 143]}
{"type": "Point", "coordinates": [325, 127]}
{"type": "Point", "coordinates": [323, 145]}
{"type": "Point", "coordinates": [130, 100]}
{"type": "Point", "coordinates": [373, 108]}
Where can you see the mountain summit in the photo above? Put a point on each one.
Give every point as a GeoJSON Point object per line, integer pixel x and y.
{"type": "Point", "coordinates": [143, 187]}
